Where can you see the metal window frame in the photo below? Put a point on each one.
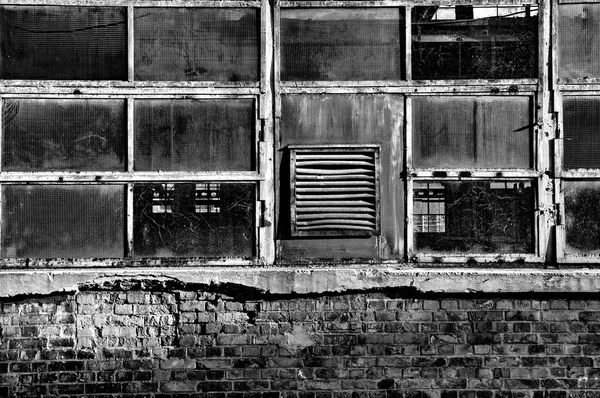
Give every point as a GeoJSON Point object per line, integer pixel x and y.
{"type": "Point", "coordinates": [259, 91]}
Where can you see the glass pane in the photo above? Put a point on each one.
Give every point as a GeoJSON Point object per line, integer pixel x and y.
{"type": "Point", "coordinates": [73, 221]}
{"type": "Point", "coordinates": [582, 208]}
{"type": "Point", "coordinates": [581, 123]}
{"type": "Point", "coordinates": [49, 134]}
{"type": "Point", "coordinates": [467, 132]}
{"type": "Point", "coordinates": [579, 40]}
{"type": "Point", "coordinates": [473, 217]}
{"type": "Point", "coordinates": [194, 135]}
{"type": "Point", "coordinates": [341, 44]}
{"type": "Point", "coordinates": [466, 42]}
{"type": "Point", "coordinates": [57, 42]}
{"type": "Point", "coordinates": [194, 220]}
{"type": "Point", "coordinates": [192, 44]}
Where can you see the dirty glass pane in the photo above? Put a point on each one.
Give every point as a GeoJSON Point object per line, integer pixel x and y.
{"type": "Point", "coordinates": [578, 40]}
{"type": "Point", "coordinates": [341, 44]}
{"type": "Point", "coordinates": [63, 42]}
{"type": "Point", "coordinates": [474, 216]}
{"type": "Point", "coordinates": [582, 224]}
{"type": "Point", "coordinates": [194, 135]}
{"type": "Point", "coordinates": [466, 42]}
{"type": "Point", "coordinates": [50, 134]}
{"type": "Point", "coordinates": [75, 221]}
{"type": "Point", "coordinates": [196, 44]}
{"type": "Point", "coordinates": [468, 132]}
{"type": "Point", "coordinates": [581, 124]}
{"type": "Point", "coordinates": [194, 220]}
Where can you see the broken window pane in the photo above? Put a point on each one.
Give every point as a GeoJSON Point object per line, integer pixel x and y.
{"type": "Point", "coordinates": [196, 44]}
{"type": "Point", "coordinates": [467, 132]}
{"type": "Point", "coordinates": [194, 220]}
{"type": "Point", "coordinates": [466, 42]}
{"type": "Point", "coordinates": [341, 44]}
{"type": "Point", "coordinates": [75, 221]}
{"type": "Point", "coordinates": [194, 135]}
{"type": "Point", "coordinates": [582, 225]}
{"type": "Point", "coordinates": [578, 40]}
{"type": "Point", "coordinates": [474, 216]}
{"type": "Point", "coordinates": [50, 134]}
{"type": "Point", "coordinates": [581, 132]}
{"type": "Point", "coordinates": [60, 42]}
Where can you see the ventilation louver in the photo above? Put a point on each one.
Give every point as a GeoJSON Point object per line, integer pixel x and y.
{"type": "Point", "coordinates": [334, 190]}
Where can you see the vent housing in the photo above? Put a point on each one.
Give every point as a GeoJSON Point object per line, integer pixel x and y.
{"type": "Point", "coordinates": [334, 190]}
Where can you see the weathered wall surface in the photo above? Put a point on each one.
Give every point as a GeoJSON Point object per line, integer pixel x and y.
{"type": "Point", "coordinates": [166, 339]}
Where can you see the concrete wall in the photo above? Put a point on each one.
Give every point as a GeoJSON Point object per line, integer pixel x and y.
{"type": "Point", "coordinates": [161, 338]}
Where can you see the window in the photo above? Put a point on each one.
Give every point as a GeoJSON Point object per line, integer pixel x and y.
{"type": "Point", "coordinates": [132, 132]}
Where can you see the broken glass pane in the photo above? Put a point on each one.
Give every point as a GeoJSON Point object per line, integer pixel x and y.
{"type": "Point", "coordinates": [474, 217]}
{"type": "Point", "coordinates": [341, 44]}
{"type": "Point", "coordinates": [466, 42]}
{"type": "Point", "coordinates": [578, 40]}
{"type": "Point", "coordinates": [60, 42]}
{"type": "Point", "coordinates": [194, 220]}
{"type": "Point", "coordinates": [582, 224]}
{"type": "Point", "coordinates": [466, 132]}
{"type": "Point", "coordinates": [581, 124]}
{"type": "Point", "coordinates": [194, 135]}
{"type": "Point", "coordinates": [50, 134]}
{"type": "Point", "coordinates": [196, 44]}
{"type": "Point", "coordinates": [75, 221]}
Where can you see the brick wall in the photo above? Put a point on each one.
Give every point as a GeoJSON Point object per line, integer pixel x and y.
{"type": "Point", "coordinates": [126, 339]}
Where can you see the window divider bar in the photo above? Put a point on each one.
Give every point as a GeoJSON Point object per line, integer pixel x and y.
{"type": "Point", "coordinates": [130, 133]}
{"type": "Point", "coordinates": [130, 44]}
{"type": "Point", "coordinates": [129, 221]}
{"type": "Point", "coordinates": [408, 43]}
{"type": "Point", "coordinates": [1, 134]}
{"type": "Point", "coordinates": [409, 222]}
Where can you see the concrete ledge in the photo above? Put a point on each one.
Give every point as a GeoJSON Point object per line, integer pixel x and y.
{"type": "Point", "coordinates": [313, 280]}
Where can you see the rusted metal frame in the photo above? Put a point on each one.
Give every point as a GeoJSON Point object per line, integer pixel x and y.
{"type": "Point", "coordinates": [130, 133]}
{"type": "Point", "coordinates": [464, 173]}
{"type": "Point", "coordinates": [120, 84]}
{"type": "Point", "coordinates": [576, 1]}
{"type": "Point", "coordinates": [266, 187]}
{"type": "Point", "coordinates": [135, 3]}
{"type": "Point", "coordinates": [67, 264]}
{"type": "Point", "coordinates": [578, 85]}
{"type": "Point", "coordinates": [130, 45]}
{"type": "Point", "coordinates": [125, 177]}
{"type": "Point", "coordinates": [408, 195]}
{"type": "Point", "coordinates": [277, 85]}
{"type": "Point", "coordinates": [394, 3]}
{"type": "Point", "coordinates": [432, 91]}
{"type": "Point", "coordinates": [115, 92]}
{"type": "Point", "coordinates": [513, 83]}
{"type": "Point", "coordinates": [450, 258]}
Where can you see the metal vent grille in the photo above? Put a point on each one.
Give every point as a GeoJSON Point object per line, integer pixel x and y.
{"type": "Point", "coordinates": [334, 190]}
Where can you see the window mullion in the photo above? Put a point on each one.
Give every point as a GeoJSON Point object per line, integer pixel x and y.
{"type": "Point", "coordinates": [408, 42]}
{"type": "Point", "coordinates": [130, 44]}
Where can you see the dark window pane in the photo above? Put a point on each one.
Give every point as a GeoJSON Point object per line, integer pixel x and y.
{"type": "Point", "coordinates": [579, 40]}
{"type": "Point", "coordinates": [49, 134]}
{"type": "Point", "coordinates": [465, 132]}
{"type": "Point", "coordinates": [474, 42]}
{"type": "Point", "coordinates": [182, 44]}
{"type": "Point", "coordinates": [341, 44]}
{"type": "Point", "coordinates": [194, 220]}
{"type": "Point", "coordinates": [82, 221]}
{"type": "Point", "coordinates": [76, 43]}
{"type": "Point", "coordinates": [194, 135]}
{"type": "Point", "coordinates": [582, 207]}
{"type": "Point", "coordinates": [582, 132]}
{"type": "Point", "coordinates": [473, 217]}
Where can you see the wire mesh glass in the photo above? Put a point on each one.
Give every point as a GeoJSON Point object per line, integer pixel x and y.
{"type": "Point", "coordinates": [63, 42]}
{"type": "Point", "coordinates": [194, 135]}
{"type": "Point", "coordinates": [467, 42]}
{"type": "Point", "coordinates": [196, 44]}
{"type": "Point", "coordinates": [194, 220]}
{"type": "Point", "coordinates": [60, 134]}
{"type": "Point", "coordinates": [474, 216]}
{"type": "Point", "coordinates": [341, 44]}
{"type": "Point", "coordinates": [581, 125]}
{"type": "Point", "coordinates": [468, 132]}
{"type": "Point", "coordinates": [74, 221]}
{"type": "Point", "coordinates": [578, 40]}
{"type": "Point", "coordinates": [582, 217]}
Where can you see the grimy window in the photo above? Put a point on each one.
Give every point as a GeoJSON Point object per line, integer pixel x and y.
{"type": "Point", "coordinates": [132, 131]}
{"type": "Point", "coordinates": [256, 132]}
